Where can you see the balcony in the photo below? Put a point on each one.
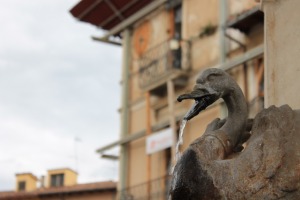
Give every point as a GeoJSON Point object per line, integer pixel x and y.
{"type": "Point", "coordinates": [168, 60]}
{"type": "Point", "coordinates": [155, 190]}
{"type": "Point", "coordinates": [247, 20]}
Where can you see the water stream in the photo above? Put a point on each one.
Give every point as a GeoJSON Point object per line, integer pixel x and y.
{"type": "Point", "coordinates": [180, 139]}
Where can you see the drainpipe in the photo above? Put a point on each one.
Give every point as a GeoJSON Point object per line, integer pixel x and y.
{"type": "Point", "coordinates": [223, 13]}
{"type": "Point", "coordinates": [222, 20]}
{"type": "Point", "coordinates": [125, 110]}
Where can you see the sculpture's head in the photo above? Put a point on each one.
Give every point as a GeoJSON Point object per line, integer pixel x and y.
{"type": "Point", "coordinates": [211, 85]}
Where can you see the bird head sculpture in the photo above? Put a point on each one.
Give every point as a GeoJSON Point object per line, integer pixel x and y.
{"type": "Point", "coordinates": [211, 85]}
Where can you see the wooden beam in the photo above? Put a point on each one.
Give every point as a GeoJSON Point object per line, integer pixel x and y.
{"type": "Point", "coordinates": [132, 19]}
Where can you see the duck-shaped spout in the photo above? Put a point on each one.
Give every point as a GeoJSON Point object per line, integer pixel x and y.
{"type": "Point", "coordinates": [212, 85]}
{"type": "Point", "coordinates": [268, 168]}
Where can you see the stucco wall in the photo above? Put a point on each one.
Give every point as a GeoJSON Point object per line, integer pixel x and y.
{"type": "Point", "coordinates": [138, 118]}
{"type": "Point", "coordinates": [137, 169]}
{"type": "Point", "coordinates": [282, 51]}
{"type": "Point", "coordinates": [197, 15]}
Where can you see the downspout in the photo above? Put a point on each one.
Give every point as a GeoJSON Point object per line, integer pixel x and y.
{"type": "Point", "coordinates": [223, 13]}
{"type": "Point", "coordinates": [125, 110]}
{"type": "Point", "coordinates": [223, 9]}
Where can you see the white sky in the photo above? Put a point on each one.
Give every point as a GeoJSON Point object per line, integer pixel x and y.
{"type": "Point", "coordinates": [56, 84]}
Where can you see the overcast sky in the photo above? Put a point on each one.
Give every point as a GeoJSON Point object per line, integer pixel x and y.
{"type": "Point", "coordinates": [56, 84]}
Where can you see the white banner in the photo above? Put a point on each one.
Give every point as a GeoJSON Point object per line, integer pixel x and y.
{"type": "Point", "coordinates": [159, 141]}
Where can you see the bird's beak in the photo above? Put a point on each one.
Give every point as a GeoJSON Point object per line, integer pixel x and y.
{"type": "Point", "coordinates": [203, 98]}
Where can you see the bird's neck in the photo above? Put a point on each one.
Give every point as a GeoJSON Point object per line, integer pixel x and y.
{"type": "Point", "coordinates": [237, 115]}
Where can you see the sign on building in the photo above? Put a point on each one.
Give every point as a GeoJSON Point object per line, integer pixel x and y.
{"type": "Point", "coordinates": [158, 141]}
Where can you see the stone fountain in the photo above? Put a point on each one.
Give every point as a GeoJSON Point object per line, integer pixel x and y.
{"type": "Point", "coordinates": [238, 158]}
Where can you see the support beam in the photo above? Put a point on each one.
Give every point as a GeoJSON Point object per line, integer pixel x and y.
{"type": "Point", "coordinates": [136, 136]}
{"type": "Point", "coordinates": [137, 16]}
{"type": "Point", "coordinates": [236, 41]}
{"type": "Point", "coordinates": [89, 9]}
{"type": "Point", "coordinates": [111, 5]}
{"type": "Point", "coordinates": [249, 55]}
{"type": "Point", "coordinates": [106, 41]}
{"type": "Point", "coordinates": [129, 21]}
{"type": "Point", "coordinates": [123, 9]}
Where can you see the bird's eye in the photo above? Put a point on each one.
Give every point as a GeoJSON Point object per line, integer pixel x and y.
{"type": "Point", "coordinates": [212, 77]}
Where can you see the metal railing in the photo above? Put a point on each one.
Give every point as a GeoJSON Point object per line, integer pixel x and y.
{"type": "Point", "coordinates": [154, 190]}
{"type": "Point", "coordinates": [160, 61]}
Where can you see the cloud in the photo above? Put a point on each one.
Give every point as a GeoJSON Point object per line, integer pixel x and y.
{"type": "Point", "coordinates": [56, 84]}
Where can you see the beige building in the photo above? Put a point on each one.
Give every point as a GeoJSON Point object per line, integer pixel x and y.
{"type": "Point", "coordinates": [165, 46]}
{"type": "Point", "coordinates": [60, 184]}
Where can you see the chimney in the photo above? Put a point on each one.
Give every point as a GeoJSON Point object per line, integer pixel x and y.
{"type": "Point", "coordinates": [42, 182]}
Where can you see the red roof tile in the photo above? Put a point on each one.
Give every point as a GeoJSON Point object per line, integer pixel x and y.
{"type": "Point", "coordinates": [79, 188]}
{"type": "Point", "coordinates": [107, 14]}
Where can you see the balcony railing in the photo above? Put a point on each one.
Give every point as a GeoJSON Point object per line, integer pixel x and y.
{"type": "Point", "coordinates": [160, 62]}
{"type": "Point", "coordinates": [155, 190]}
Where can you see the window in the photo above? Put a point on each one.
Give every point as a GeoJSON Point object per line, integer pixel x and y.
{"type": "Point", "coordinates": [21, 186]}
{"type": "Point", "coordinates": [57, 180]}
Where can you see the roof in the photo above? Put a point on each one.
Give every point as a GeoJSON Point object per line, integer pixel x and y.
{"type": "Point", "coordinates": [107, 13]}
{"type": "Point", "coordinates": [62, 169]}
{"type": "Point", "coordinates": [27, 173]}
{"type": "Point", "coordinates": [16, 195]}
{"type": "Point", "coordinates": [88, 187]}
{"type": "Point", "coordinates": [75, 189]}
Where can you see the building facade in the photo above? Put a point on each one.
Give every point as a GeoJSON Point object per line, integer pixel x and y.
{"type": "Point", "coordinates": [59, 184]}
{"type": "Point", "coordinates": [166, 44]}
